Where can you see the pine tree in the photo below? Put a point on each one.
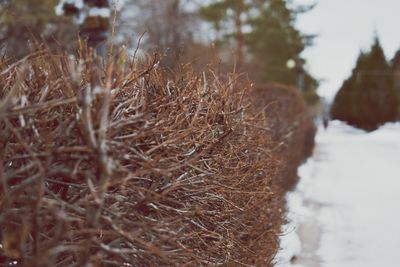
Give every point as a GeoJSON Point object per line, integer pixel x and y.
{"type": "Point", "coordinates": [273, 41]}
{"type": "Point", "coordinates": [367, 99]}
{"type": "Point", "coordinates": [265, 39]}
{"type": "Point", "coordinates": [395, 67]}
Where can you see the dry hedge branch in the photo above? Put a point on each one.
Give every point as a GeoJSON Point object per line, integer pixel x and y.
{"type": "Point", "coordinates": [291, 127]}
{"type": "Point", "coordinates": [122, 165]}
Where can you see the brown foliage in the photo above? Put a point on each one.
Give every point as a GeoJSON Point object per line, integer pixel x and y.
{"type": "Point", "coordinates": [291, 127]}
{"type": "Point", "coordinates": [121, 165]}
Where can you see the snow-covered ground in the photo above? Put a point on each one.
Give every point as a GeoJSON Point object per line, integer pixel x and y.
{"type": "Point", "coordinates": [345, 211]}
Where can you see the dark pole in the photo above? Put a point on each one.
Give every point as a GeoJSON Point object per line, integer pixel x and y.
{"type": "Point", "coordinates": [300, 76]}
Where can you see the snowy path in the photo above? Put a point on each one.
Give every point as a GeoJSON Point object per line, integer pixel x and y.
{"type": "Point", "coordinates": [345, 211]}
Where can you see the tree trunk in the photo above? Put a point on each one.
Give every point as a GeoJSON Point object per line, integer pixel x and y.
{"type": "Point", "coordinates": [239, 33]}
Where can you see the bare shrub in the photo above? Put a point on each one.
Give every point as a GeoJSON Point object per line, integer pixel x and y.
{"type": "Point", "coordinates": [291, 127]}
{"type": "Point", "coordinates": [123, 165]}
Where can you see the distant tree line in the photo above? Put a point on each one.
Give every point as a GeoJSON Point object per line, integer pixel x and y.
{"type": "Point", "coordinates": [27, 24]}
{"type": "Point", "coordinates": [258, 37]}
{"type": "Point", "coordinates": [370, 97]}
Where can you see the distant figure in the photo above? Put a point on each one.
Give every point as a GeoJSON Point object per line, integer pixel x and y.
{"type": "Point", "coordinates": [325, 122]}
{"type": "Point", "coordinates": [93, 17]}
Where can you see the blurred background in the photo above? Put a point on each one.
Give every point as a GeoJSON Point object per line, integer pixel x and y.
{"type": "Point", "coordinates": [340, 54]}
{"type": "Point", "coordinates": [258, 38]}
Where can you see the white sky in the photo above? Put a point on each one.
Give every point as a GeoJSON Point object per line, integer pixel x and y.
{"type": "Point", "coordinates": [345, 27]}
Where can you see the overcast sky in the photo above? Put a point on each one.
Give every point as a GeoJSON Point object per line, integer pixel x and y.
{"type": "Point", "coordinates": [345, 27]}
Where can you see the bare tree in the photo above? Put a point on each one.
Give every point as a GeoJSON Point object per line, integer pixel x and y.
{"type": "Point", "coordinates": [168, 24]}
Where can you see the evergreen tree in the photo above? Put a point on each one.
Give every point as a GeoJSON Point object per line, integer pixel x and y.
{"type": "Point", "coordinates": [265, 39]}
{"type": "Point", "coordinates": [395, 62]}
{"type": "Point", "coordinates": [367, 99]}
{"type": "Point", "coordinates": [273, 41]}
{"type": "Point", "coordinates": [395, 67]}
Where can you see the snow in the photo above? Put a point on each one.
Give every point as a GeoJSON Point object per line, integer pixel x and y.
{"type": "Point", "coordinates": [59, 8]}
{"type": "Point", "coordinates": [95, 11]}
{"type": "Point", "coordinates": [100, 12]}
{"type": "Point", "coordinates": [345, 210]}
